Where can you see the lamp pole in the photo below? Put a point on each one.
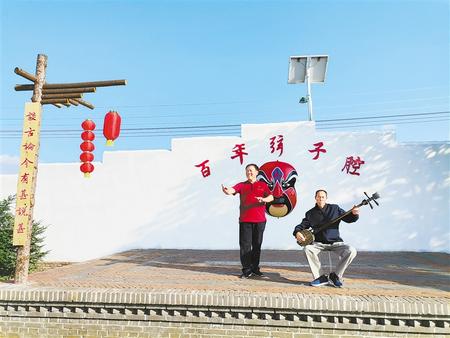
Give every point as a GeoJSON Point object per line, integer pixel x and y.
{"type": "Point", "coordinates": [308, 88]}
{"type": "Point", "coordinates": [309, 69]}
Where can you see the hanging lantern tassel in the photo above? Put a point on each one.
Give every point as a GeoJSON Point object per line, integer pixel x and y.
{"type": "Point", "coordinates": [111, 127]}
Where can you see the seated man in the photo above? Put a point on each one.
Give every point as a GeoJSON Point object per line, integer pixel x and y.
{"type": "Point", "coordinates": [326, 240]}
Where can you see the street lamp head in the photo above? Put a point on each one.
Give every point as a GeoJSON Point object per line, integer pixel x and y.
{"type": "Point", "coordinates": [298, 66]}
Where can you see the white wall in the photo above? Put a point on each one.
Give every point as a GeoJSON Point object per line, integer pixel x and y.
{"type": "Point", "coordinates": [159, 199]}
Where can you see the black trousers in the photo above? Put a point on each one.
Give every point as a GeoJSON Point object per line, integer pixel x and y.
{"type": "Point", "coordinates": [250, 240]}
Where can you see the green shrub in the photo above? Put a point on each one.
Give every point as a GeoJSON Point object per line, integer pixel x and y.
{"type": "Point", "coordinates": [8, 252]}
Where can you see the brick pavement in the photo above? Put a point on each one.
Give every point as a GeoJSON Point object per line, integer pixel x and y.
{"type": "Point", "coordinates": [400, 274]}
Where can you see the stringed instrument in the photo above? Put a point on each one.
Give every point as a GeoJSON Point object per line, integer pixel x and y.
{"type": "Point", "coordinates": [308, 234]}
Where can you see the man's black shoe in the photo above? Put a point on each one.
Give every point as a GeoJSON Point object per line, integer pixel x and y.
{"type": "Point", "coordinates": [246, 275]}
{"type": "Point", "coordinates": [322, 280]}
{"type": "Point", "coordinates": [258, 273]}
{"type": "Point", "coordinates": [335, 281]}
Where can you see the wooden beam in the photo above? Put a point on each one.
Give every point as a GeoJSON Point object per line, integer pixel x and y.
{"type": "Point", "coordinates": [107, 83]}
{"type": "Point", "coordinates": [74, 85]}
{"type": "Point", "coordinates": [69, 90]}
{"type": "Point", "coordinates": [75, 103]}
{"type": "Point", "coordinates": [25, 74]}
{"type": "Point", "coordinates": [23, 87]}
{"type": "Point", "coordinates": [66, 104]}
{"type": "Point", "coordinates": [62, 96]}
{"type": "Point", "coordinates": [51, 101]}
{"type": "Point", "coordinates": [57, 105]}
{"type": "Point", "coordinates": [84, 103]}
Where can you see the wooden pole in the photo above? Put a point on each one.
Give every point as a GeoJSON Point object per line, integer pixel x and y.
{"type": "Point", "coordinates": [41, 66]}
{"type": "Point", "coordinates": [23, 252]}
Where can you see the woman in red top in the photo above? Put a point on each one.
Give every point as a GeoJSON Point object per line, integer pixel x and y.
{"type": "Point", "coordinates": [252, 218]}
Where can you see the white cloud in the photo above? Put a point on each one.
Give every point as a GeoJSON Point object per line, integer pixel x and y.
{"type": "Point", "coordinates": [402, 214]}
{"type": "Point", "coordinates": [441, 242]}
{"type": "Point", "coordinates": [9, 164]}
{"type": "Point", "coordinates": [413, 235]}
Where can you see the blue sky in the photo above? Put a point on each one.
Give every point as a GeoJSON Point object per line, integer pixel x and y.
{"type": "Point", "coordinates": [215, 63]}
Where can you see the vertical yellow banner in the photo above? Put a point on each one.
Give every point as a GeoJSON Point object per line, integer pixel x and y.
{"type": "Point", "coordinates": [29, 155]}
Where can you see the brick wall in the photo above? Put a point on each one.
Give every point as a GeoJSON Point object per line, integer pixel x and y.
{"type": "Point", "coordinates": [25, 327]}
{"type": "Point", "coordinates": [102, 313]}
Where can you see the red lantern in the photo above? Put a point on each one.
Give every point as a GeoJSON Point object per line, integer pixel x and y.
{"type": "Point", "coordinates": [87, 168]}
{"type": "Point", "coordinates": [111, 127]}
{"type": "Point", "coordinates": [86, 156]}
{"type": "Point", "coordinates": [87, 146]}
{"type": "Point", "coordinates": [87, 135]}
{"type": "Point", "coordinates": [88, 125]}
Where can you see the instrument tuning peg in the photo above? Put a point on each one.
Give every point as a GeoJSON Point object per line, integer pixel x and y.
{"type": "Point", "coordinates": [368, 200]}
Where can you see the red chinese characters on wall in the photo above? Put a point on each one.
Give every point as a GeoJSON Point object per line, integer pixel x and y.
{"type": "Point", "coordinates": [352, 165]}
{"type": "Point", "coordinates": [318, 149]}
{"type": "Point", "coordinates": [205, 169]}
{"type": "Point", "coordinates": [276, 144]}
{"type": "Point", "coordinates": [239, 152]}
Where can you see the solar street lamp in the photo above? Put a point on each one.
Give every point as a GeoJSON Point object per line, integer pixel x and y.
{"type": "Point", "coordinates": [309, 69]}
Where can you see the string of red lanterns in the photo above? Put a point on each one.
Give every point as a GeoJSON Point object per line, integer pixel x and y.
{"type": "Point", "coordinates": [87, 146]}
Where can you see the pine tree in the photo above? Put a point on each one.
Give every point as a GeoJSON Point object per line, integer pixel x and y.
{"type": "Point", "coordinates": [8, 252]}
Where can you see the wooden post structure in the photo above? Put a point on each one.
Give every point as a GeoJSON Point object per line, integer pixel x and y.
{"type": "Point", "coordinates": [57, 94]}
{"type": "Point", "coordinates": [23, 251]}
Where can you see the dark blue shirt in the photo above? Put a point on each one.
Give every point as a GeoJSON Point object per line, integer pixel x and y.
{"type": "Point", "coordinates": [316, 217]}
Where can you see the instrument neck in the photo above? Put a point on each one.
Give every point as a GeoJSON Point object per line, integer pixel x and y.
{"type": "Point", "coordinates": [327, 225]}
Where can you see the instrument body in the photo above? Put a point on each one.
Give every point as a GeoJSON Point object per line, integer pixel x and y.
{"type": "Point", "coordinates": [308, 234]}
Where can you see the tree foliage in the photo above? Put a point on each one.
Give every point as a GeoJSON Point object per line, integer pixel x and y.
{"type": "Point", "coordinates": [8, 253]}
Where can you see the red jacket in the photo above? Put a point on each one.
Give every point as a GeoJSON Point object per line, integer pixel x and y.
{"type": "Point", "coordinates": [251, 210]}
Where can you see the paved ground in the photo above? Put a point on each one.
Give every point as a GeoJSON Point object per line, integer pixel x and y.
{"type": "Point", "coordinates": [402, 274]}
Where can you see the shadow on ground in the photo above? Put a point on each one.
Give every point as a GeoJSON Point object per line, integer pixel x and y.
{"type": "Point", "coordinates": [416, 269]}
